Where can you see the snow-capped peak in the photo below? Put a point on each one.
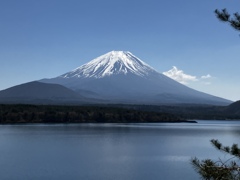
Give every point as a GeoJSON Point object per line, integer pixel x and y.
{"type": "Point", "coordinates": [114, 62]}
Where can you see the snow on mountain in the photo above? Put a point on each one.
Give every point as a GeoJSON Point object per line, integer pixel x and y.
{"type": "Point", "coordinates": [121, 77]}
{"type": "Point", "coordinates": [114, 62]}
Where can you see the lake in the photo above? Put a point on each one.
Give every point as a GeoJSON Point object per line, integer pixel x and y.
{"type": "Point", "coordinates": [110, 151]}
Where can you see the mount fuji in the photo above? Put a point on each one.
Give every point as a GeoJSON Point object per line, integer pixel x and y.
{"type": "Point", "coordinates": [121, 77]}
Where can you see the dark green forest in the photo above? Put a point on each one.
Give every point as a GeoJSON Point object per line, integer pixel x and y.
{"type": "Point", "coordinates": [79, 114]}
{"type": "Point", "coordinates": [192, 112]}
{"type": "Point", "coordinates": [115, 113]}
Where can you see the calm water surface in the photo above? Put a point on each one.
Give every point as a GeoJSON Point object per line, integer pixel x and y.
{"type": "Point", "coordinates": [110, 151]}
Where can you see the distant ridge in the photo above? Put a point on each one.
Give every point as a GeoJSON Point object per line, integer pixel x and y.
{"type": "Point", "coordinates": [234, 108]}
{"type": "Point", "coordinates": [37, 92]}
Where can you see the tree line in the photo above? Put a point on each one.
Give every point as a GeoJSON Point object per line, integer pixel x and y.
{"type": "Point", "coordinates": [78, 114]}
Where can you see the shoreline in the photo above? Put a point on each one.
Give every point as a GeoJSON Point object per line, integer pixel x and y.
{"type": "Point", "coordinates": [134, 122]}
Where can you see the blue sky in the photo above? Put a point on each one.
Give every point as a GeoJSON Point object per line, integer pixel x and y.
{"type": "Point", "coordinates": [46, 38]}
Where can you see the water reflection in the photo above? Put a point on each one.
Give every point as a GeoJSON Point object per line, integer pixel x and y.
{"type": "Point", "coordinates": [109, 151]}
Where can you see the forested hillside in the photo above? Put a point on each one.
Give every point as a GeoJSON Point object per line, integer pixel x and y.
{"type": "Point", "coordinates": [79, 114]}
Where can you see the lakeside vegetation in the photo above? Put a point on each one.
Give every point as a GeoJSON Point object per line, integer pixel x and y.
{"type": "Point", "coordinates": [79, 114]}
{"type": "Point", "coordinates": [193, 111]}
{"type": "Point", "coordinates": [21, 113]}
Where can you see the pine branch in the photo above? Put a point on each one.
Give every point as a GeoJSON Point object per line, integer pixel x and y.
{"type": "Point", "coordinates": [233, 150]}
{"type": "Point", "coordinates": [219, 170]}
{"type": "Point", "coordinates": [225, 17]}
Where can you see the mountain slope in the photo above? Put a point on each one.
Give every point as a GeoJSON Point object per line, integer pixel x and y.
{"type": "Point", "coordinates": [234, 108]}
{"type": "Point", "coordinates": [121, 77]}
{"type": "Point", "coordinates": [37, 92]}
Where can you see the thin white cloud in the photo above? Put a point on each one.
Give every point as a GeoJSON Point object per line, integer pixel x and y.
{"type": "Point", "coordinates": [206, 77]}
{"type": "Point", "coordinates": [179, 75]}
